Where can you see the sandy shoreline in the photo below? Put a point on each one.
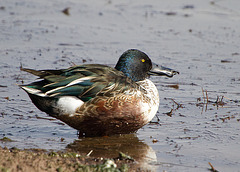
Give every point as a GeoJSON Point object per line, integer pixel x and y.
{"type": "Point", "coordinates": [42, 160]}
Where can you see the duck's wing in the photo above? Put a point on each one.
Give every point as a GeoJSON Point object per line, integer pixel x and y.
{"type": "Point", "coordinates": [84, 82]}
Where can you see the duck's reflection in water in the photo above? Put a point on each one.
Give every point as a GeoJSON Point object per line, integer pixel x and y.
{"type": "Point", "coordinates": [110, 147]}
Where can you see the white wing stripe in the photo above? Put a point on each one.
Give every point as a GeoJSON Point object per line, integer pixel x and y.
{"type": "Point", "coordinates": [76, 81]}
{"type": "Point", "coordinates": [50, 91]}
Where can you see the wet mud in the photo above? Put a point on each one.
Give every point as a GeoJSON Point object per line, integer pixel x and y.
{"type": "Point", "coordinates": [197, 126]}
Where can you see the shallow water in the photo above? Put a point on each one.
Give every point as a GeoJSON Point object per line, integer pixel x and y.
{"type": "Point", "coordinates": [199, 109]}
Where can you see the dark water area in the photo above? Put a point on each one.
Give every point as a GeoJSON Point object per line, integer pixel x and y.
{"type": "Point", "coordinates": [198, 120]}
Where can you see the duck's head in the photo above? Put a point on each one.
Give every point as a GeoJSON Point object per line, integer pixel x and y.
{"type": "Point", "coordinates": [138, 66]}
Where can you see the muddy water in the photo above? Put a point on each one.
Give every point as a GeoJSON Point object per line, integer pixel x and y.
{"type": "Point", "coordinates": [198, 120]}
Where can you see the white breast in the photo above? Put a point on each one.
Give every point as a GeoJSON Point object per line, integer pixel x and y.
{"type": "Point", "coordinates": [149, 108]}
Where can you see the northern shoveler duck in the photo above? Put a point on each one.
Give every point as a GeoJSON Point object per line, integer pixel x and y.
{"type": "Point", "coordinates": [97, 99]}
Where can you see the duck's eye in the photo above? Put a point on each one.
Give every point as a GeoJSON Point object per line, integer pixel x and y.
{"type": "Point", "coordinates": [143, 60]}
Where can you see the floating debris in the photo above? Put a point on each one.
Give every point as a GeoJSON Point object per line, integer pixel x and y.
{"type": "Point", "coordinates": [227, 61]}
{"type": "Point", "coordinates": [188, 6]}
{"type": "Point", "coordinates": [176, 86]}
{"type": "Point", "coordinates": [66, 11]}
{"type": "Point", "coordinates": [2, 8]}
{"type": "Point", "coordinates": [235, 54]}
{"type": "Point", "coordinates": [7, 98]}
{"type": "Point", "coordinates": [67, 44]}
{"type": "Point", "coordinates": [212, 168]}
{"type": "Point", "coordinates": [154, 140]}
{"type": "Point", "coordinates": [178, 104]}
{"type": "Point", "coordinates": [170, 13]}
{"type": "Point", "coordinates": [169, 113]}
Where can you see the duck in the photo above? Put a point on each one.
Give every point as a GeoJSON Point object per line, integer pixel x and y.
{"type": "Point", "coordinates": [99, 100]}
